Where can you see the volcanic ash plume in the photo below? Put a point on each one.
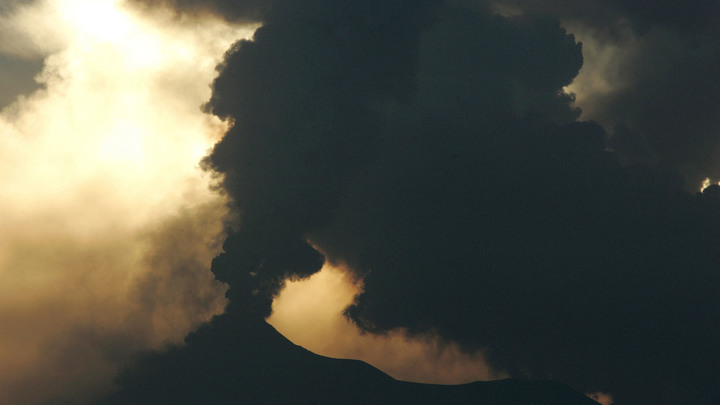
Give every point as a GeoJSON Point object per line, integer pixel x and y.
{"type": "Point", "coordinates": [108, 224]}
{"type": "Point", "coordinates": [433, 149]}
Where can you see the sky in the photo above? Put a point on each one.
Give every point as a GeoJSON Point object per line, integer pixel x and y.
{"type": "Point", "coordinates": [449, 190]}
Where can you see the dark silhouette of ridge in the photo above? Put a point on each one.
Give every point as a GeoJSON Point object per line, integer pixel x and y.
{"type": "Point", "coordinates": [239, 359]}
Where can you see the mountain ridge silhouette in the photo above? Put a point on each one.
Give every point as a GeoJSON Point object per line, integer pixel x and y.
{"type": "Point", "coordinates": [239, 359]}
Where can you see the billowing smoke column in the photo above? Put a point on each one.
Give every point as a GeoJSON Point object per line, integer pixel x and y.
{"type": "Point", "coordinates": [432, 149]}
{"type": "Point", "coordinates": [307, 100]}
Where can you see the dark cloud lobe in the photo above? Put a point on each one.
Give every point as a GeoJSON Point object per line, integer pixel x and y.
{"type": "Point", "coordinates": [16, 73]}
{"type": "Point", "coordinates": [683, 16]}
{"type": "Point", "coordinates": [305, 98]}
{"type": "Point", "coordinates": [16, 77]}
{"type": "Point", "coordinates": [667, 77]}
{"type": "Point", "coordinates": [431, 148]}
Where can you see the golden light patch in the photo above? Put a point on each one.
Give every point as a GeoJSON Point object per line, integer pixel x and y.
{"type": "Point", "coordinates": [602, 397]}
{"type": "Point", "coordinates": [100, 20]}
{"type": "Point", "coordinates": [309, 313]}
{"type": "Point", "coordinates": [707, 183]}
{"type": "Point", "coordinates": [108, 224]}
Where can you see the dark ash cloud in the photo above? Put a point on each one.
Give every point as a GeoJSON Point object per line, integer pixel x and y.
{"type": "Point", "coordinates": [431, 148]}
{"type": "Point", "coordinates": [664, 77]}
{"type": "Point", "coordinates": [327, 75]}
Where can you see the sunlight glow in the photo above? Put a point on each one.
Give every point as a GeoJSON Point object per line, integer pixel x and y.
{"type": "Point", "coordinates": [101, 194]}
{"type": "Point", "coordinates": [707, 183]}
{"type": "Point", "coordinates": [320, 301]}
{"type": "Point", "coordinates": [101, 20]}
{"type": "Point", "coordinates": [602, 398]}
{"type": "Point", "coordinates": [122, 101]}
{"type": "Point", "coordinates": [123, 143]}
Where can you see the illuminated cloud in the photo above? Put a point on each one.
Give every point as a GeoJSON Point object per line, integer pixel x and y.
{"type": "Point", "coordinates": [602, 397]}
{"type": "Point", "coordinates": [108, 223]}
{"type": "Point", "coordinates": [431, 148]}
{"type": "Point", "coordinates": [310, 313]}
